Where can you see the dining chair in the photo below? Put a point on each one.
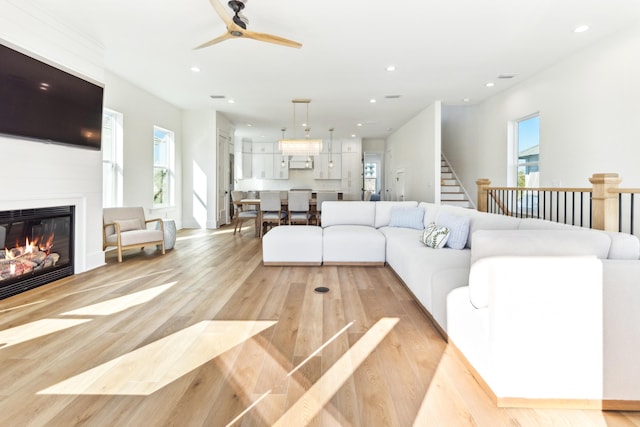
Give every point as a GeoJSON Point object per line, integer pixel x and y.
{"type": "Point", "coordinates": [270, 210]}
{"type": "Point", "coordinates": [322, 196]}
{"type": "Point", "coordinates": [241, 214]}
{"type": "Point", "coordinates": [298, 207]}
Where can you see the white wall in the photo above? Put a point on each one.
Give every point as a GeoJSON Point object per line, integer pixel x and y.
{"type": "Point", "coordinates": [36, 174]}
{"type": "Point", "coordinates": [141, 112]}
{"type": "Point", "coordinates": [415, 149]}
{"type": "Point", "coordinates": [199, 159]}
{"type": "Point", "coordinates": [589, 110]}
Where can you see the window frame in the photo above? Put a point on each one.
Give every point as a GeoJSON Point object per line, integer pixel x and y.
{"type": "Point", "coordinates": [112, 158]}
{"type": "Point", "coordinates": [168, 165]}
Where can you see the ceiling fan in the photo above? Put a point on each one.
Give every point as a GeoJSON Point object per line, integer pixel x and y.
{"type": "Point", "coordinates": [237, 26]}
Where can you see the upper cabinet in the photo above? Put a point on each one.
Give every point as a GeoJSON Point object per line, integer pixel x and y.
{"type": "Point", "coordinates": [329, 146]}
{"type": "Point", "coordinates": [280, 166]}
{"type": "Point", "coordinates": [327, 166]}
{"type": "Point", "coordinates": [263, 148]}
{"type": "Point", "coordinates": [352, 146]}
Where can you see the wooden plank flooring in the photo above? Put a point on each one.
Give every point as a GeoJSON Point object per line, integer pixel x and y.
{"type": "Point", "coordinates": [207, 336]}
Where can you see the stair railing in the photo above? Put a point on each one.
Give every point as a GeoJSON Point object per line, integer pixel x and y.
{"type": "Point", "coordinates": [604, 206]}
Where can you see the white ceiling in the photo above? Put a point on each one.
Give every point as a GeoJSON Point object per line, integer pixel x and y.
{"type": "Point", "coordinates": [443, 50]}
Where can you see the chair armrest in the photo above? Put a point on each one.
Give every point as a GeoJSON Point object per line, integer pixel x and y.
{"type": "Point", "coordinates": [159, 220]}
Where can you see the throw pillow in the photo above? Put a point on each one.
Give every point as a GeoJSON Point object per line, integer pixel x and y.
{"type": "Point", "coordinates": [407, 217]}
{"type": "Point", "coordinates": [458, 229]}
{"type": "Point", "coordinates": [128, 224]}
{"type": "Point", "coordinates": [435, 236]}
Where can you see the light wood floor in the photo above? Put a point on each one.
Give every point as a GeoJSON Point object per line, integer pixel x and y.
{"type": "Point", "coordinates": [207, 336]}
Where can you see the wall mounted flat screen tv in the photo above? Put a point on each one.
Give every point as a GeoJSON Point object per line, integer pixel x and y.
{"type": "Point", "coordinates": [41, 102]}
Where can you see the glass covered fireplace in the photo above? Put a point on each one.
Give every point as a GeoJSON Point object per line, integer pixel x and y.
{"type": "Point", "coordinates": [36, 247]}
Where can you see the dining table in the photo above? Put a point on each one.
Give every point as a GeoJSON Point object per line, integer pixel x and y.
{"type": "Point", "coordinates": [283, 202]}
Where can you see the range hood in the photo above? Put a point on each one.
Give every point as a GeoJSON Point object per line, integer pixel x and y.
{"type": "Point", "coordinates": [300, 162]}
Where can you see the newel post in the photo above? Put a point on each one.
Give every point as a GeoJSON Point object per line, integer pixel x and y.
{"type": "Point", "coordinates": [483, 184]}
{"type": "Point", "coordinates": [604, 208]}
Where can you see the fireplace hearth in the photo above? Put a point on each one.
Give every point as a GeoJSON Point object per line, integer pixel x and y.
{"type": "Point", "coordinates": [36, 247]}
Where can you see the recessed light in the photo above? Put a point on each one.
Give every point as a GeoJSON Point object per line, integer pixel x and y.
{"type": "Point", "coordinates": [195, 69]}
{"type": "Point", "coordinates": [372, 101]}
{"type": "Point", "coordinates": [490, 84]}
{"type": "Point", "coordinates": [359, 124]}
{"type": "Point", "coordinates": [581, 29]}
{"type": "Point", "coordinates": [231, 101]}
{"type": "Point", "coordinates": [249, 125]}
{"type": "Point", "coordinates": [466, 99]}
{"type": "Point", "coordinates": [353, 135]}
{"type": "Point", "coordinates": [391, 68]}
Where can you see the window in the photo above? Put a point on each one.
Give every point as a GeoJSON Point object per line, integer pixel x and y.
{"type": "Point", "coordinates": [370, 177]}
{"type": "Point", "coordinates": [163, 167]}
{"type": "Point", "coordinates": [112, 143]}
{"type": "Point", "coordinates": [528, 149]}
{"type": "Point", "coordinates": [524, 167]}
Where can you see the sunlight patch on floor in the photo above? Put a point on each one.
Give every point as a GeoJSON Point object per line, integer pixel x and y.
{"type": "Point", "coordinates": [36, 329]}
{"type": "Point", "coordinates": [6, 310]}
{"type": "Point", "coordinates": [119, 304]}
{"type": "Point", "coordinates": [320, 393]}
{"type": "Point", "coordinates": [149, 368]}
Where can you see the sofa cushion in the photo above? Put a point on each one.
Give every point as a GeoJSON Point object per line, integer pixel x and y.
{"type": "Point", "coordinates": [420, 266]}
{"type": "Point", "coordinates": [383, 211]}
{"type": "Point", "coordinates": [430, 212]}
{"type": "Point", "coordinates": [137, 237]}
{"type": "Point", "coordinates": [489, 221]}
{"type": "Point", "coordinates": [128, 224]}
{"type": "Point", "coordinates": [352, 244]}
{"type": "Point", "coordinates": [348, 213]}
{"type": "Point", "coordinates": [407, 217]}
{"type": "Point", "coordinates": [435, 236]}
{"type": "Point", "coordinates": [458, 229]}
{"type": "Point", "coordinates": [531, 243]}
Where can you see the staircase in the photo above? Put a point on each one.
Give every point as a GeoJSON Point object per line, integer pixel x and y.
{"type": "Point", "coordinates": [451, 192]}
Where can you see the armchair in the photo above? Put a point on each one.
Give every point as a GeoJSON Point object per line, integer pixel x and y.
{"type": "Point", "coordinates": [126, 228]}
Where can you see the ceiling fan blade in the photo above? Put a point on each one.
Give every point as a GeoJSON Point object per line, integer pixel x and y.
{"type": "Point", "coordinates": [222, 12]}
{"type": "Point", "coordinates": [269, 38]}
{"type": "Point", "coordinates": [214, 41]}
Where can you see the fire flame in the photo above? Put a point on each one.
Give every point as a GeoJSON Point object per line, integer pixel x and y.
{"type": "Point", "coordinates": [29, 248]}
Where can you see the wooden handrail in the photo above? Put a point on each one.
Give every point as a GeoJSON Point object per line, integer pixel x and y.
{"type": "Point", "coordinates": [605, 211]}
{"type": "Point", "coordinates": [558, 189]}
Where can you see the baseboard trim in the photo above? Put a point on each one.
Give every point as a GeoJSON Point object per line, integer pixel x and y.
{"type": "Point", "coordinates": [518, 402]}
{"type": "Point", "coordinates": [355, 264]}
{"type": "Point", "coordinates": [291, 264]}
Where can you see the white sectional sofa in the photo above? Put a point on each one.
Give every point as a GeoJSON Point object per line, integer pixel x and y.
{"type": "Point", "coordinates": [574, 279]}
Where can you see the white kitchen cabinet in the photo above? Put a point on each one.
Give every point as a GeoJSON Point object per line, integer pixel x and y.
{"type": "Point", "coordinates": [334, 147]}
{"type": "Point", "coordinates": [262, 147]}
{"type": "Point", "coordinates": [262, 165]}
{"type": "Point", "coordinates": [352, 175]}
{"type": "Point", "coordinates": [322, 168]}
{"type": "Point", "coordinates": [242, 159]}
{"type": "Point", "coordinates": [352, 145]}
{"type": "Point", "coordinates": [280, 166]}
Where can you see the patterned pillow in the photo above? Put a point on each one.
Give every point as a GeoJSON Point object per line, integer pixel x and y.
{"type": "Point", "coordinates": [458, 227]}
{"type": "Point", "coordinates": [407, 217]}
{"type": "Point", "coordinates": [435, 236]}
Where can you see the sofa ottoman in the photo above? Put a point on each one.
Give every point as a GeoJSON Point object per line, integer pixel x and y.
{"type": "Point", "coordinates": [292, 245]}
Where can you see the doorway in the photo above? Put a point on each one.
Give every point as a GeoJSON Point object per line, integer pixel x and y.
{"type": "Point", "coordinates": [373, 174]}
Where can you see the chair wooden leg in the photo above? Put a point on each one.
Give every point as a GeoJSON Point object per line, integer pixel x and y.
{"type": "Point", "coordinates": [235, 227]}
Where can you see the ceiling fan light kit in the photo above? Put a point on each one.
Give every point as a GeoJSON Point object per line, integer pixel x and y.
{"type": "Point", "coordinates": [303, 146]}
